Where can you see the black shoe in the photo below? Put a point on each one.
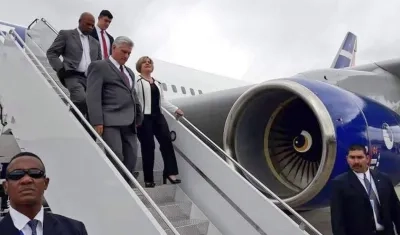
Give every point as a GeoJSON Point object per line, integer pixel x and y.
{"type": "Point", "coordinates": [177, 181]}
{"type": "Point", "coordinates": [149, 184]}
{"type": "Point", "coordinates": [135, 174]}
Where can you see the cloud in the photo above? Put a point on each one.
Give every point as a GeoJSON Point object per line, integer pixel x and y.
{"type": "Point", "coordinates": [254, 41]}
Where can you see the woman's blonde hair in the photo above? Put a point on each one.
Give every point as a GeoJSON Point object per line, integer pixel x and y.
{"type": "Point", "coordinates": [141, 61]}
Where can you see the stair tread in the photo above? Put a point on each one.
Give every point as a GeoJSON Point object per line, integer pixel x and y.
{"type": "Point", "coordinates": [173, 203]}
{"type": "Point", "coordinates": [187, 222]}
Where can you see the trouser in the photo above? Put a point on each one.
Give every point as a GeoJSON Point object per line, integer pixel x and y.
{"type": "Point", "coordinates": [76, 85]}
{"type": "Point", "coordinates": [123, 142]}
{"type": "Point", "coordinates": [156, 126]}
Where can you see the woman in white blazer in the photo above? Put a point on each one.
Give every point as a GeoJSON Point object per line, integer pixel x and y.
{"type": "Point", "coordinates": [151, 98]}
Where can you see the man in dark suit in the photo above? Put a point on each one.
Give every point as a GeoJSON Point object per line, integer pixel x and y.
{"type": "Point", "coordinates": [363, 201]}
{"type": "Point", "coordinates": [113, 105]}
{"type": "Point", "coordinates": [25, 184]}
{"type": "Point", "coordinates": [78, 50]}
{"type": "Point", "coordinates": [100, 34]}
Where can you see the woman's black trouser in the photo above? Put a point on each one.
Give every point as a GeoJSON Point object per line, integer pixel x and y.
{"type": "Point", "coordinates": [156, 126]}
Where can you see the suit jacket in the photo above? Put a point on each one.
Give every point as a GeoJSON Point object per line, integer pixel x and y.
{"type": "Point", "coordinates": [351, 210]}
{"type": "Point", "coordinates": [68, 45]}
{"type": "Point", "coordinates": [143, 89]}
{"type": "Point", "coordinates": [96, 36]}
{"type": "Point", "coordinates": [110, 101]}
{"type": "Point", "coordinates": [52, 224]}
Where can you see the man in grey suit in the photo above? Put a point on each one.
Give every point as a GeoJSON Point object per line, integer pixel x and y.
{"type": "Point", "coordinates": [78, 50]}
{"type": "Point", "coordinates": [113, 106]}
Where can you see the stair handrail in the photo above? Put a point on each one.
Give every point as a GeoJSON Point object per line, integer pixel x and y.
{"type": "Point", "coordinates": [105, 145]}
{"type": "Point", "coordinates": [3, 121]}
{"type": "Point", "coordinates": [303, 222]}
{"type": "Point", "coordinates": [33, 22]}
{"type": "Point", "coordinates": [49, 25]}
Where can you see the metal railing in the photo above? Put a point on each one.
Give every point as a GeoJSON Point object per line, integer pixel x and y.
{"type": "Point", "coordinates": [32, 23]}
{"type": "Point", "coordinates": [50, 26]}
{"type": "Point", "coordinates": [3, 121]}
{"type": "Point", "coordinates": [87, 124]}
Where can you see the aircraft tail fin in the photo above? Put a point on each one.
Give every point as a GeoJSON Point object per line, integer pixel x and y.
{"type": "Point", "coordinates": [346, 55]}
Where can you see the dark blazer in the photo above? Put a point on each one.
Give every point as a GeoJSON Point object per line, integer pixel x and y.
{"type": "Point", "coordinates": [95, 36]}
{"type": "Point", "coordinates": [53, 224]}
{"type": "Point", "coordinates": [109, 100]}
{"type": "Point", "coordinates": [351, 211]}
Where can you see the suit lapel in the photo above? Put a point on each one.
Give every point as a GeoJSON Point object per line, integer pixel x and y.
{"type": "Point", "coordinates": [93, 51]}
{"type": "Point", "coordinates": [77, 38]}
{"type": "Point", "coordinates": [118, 72]}
{"type": "Point", "coordinates": [50, 225]}
{"type": "Point", "coordinates": [94, 34]}
{"type": "Point", "coordinates": [7, 226]}
{"type": "Point", "coordinates": [111, 42]}
{"type": "Point", "coordinates": [355, 182]}
{"type": "Point", "coordinates": [132, 75]}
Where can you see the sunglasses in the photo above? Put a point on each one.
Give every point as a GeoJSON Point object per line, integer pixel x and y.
{"type": "Point", "coordinates": [19, 174]}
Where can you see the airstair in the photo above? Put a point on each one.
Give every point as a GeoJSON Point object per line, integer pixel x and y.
{"type": "Point", "coordinates": [87, 185]}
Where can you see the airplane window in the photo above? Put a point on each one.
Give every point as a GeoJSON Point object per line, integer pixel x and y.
{"type": "Point", "coordinates": [174, 88]}
{"type": "Point", "coordinates": [192, 91]}
{"type": "Point", "coordinates": [200, 92]}
{"type": "Point", "coordinates": [183, 90]}
{"type": "Point", "coordinates": [164, 87]}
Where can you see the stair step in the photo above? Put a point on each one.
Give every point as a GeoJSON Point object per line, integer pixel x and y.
{"type": "Point", "coordinates": [160, 194]}
{"type": "Point", "coordinates": [184, 226]}
{"type": "Point", "coordinates": [191, 227]}
{"type": "Point", "coordinates": [176, 211]}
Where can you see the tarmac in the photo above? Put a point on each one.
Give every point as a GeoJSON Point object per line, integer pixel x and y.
{"type": "Point", "coordinates": [321, 218]}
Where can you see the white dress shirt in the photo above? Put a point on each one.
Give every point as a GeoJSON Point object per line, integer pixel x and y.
{"type": "Point", "coordinates": [85, 61]}
{"type": "Point", "coordinates": [98, 30]}
{"type": "Point", "coordinates": [21, 221]}
{"type": "Point", "coordinates": [360, 177]}
{"type": "Point", "coordinates": [123, 67]}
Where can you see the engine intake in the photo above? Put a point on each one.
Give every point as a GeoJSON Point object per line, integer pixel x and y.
{"type": "Point", "coordinates": [282, 126]}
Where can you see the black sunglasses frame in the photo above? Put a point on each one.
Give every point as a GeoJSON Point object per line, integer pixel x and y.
{"type": "Point", "coordinates": [18, 174]}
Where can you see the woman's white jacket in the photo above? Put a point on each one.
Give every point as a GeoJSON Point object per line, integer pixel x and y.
{"type": "Point", "coordinates": [142, 87]}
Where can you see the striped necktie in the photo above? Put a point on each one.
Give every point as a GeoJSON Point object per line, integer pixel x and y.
{"type": "Point", "coordinates": [33, 224]}
{"type": "Point", "coordinates": [373, 197]}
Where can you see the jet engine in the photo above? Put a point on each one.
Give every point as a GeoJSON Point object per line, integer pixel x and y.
{"type": "Point", "coordinates": [293, 134]}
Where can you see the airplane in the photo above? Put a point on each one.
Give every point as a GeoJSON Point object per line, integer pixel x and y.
{"type": "Point", "coordinates": [292, 133]}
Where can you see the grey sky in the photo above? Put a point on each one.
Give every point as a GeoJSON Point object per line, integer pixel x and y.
{"type": "Point", "coordinates": [258, 41]}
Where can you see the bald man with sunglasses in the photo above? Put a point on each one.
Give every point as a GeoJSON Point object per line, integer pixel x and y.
{"type": "Point", "coordinates": [25, 184]}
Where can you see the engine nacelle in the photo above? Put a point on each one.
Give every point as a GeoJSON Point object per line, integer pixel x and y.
{"type": "Point", "coordinates": [293, 135]}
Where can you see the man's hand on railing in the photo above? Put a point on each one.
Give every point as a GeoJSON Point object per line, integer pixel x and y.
{"type": "Point", "coordinates": [99, 129]}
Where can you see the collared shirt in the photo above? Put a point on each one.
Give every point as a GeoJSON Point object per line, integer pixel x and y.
{"type": "Point", "coordinates": [123, 66]}
{"type": "Point", "coordinates": [21, 221]}
{"type": "Point", "coordinates": [98, 30]}
{"type": "Point", "coordinates": [85, 61]}
{"type": "Point", "coordinates": [360, 177]}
